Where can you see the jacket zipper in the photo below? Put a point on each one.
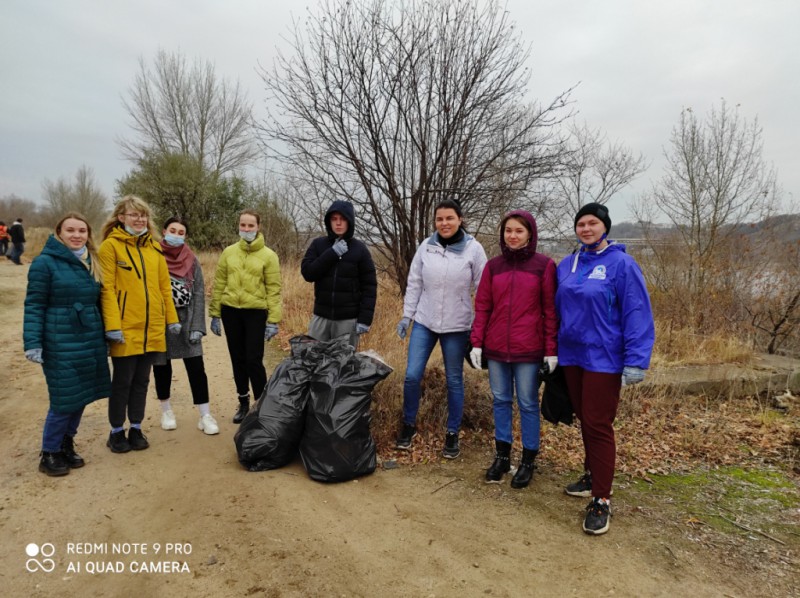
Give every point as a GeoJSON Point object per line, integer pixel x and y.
{"type": "Point", "coordinates": [510, 311]}
{"type": "Point", "coordinates": [333, 291]}
{"type": "Point", "coordinates": [146, 297]}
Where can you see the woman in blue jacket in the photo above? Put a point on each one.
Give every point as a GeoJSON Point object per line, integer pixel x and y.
{"type": "Point", "coordinates": [605, 340]}
{"type": "Point", "coordinates": [63, 331]}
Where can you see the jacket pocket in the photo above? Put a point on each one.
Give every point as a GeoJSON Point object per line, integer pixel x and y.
{"type": "Point", "coordinates": [122, 301]}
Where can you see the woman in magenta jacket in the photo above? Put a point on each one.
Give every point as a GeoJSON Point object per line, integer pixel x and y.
{"type": "Point", "coordinates": [515, 329]}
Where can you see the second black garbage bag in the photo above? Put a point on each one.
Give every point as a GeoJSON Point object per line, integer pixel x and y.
{"type": "Point", "coordinates": [337, 444]}
{"type": "Point", "coordinates": [270, 433]}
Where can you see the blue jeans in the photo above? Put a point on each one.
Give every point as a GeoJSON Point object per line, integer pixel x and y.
{"type": "Point", "coordinates": [420, 347]}
{"type": "Point", "coordinates": [503, 377]}
{"type": "Point", "coordinates": [56, 425]}
{"type": "Point", "coordinates": [17, 249]}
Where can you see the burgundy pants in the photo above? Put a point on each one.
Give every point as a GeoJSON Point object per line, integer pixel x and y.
{"type": "Point", "coordinates": [595, 398]}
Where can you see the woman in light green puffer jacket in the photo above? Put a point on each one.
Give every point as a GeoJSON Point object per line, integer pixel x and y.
{"type": "Point", "coordinates": [246, 300]}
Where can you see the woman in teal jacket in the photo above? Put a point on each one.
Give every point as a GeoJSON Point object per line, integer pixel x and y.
{"type": "Point", "coordinates": [63, 331]}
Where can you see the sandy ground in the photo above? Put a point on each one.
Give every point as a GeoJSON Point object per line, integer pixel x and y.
{"type": "Point", "coordinates": [185, 519]}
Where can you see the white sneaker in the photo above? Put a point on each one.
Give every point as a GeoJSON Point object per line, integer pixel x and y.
{"type": "Point", "coordinates": [208, 425]}
{"type": "Point", "coordinates": [168, 420]}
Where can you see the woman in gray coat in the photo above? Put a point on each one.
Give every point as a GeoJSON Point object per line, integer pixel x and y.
{"type": "Point", "coordinates": [188, 293]}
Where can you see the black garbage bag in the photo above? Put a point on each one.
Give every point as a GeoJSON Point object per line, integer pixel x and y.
{"type": "Point", "coordinates": [556, 404]}
{"type": "Point", "coordinates": [337, 444]}
{"type": "Point", "coordinates": [270, 433]}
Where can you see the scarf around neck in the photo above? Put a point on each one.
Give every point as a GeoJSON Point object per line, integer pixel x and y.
{"type": "Point", "coordinates": [180, 261]}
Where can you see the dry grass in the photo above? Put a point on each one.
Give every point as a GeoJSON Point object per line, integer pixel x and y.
{"type": "Point", "coordinates": [682, 346]}
{"type": "Point", "coordinates": [35, 238]}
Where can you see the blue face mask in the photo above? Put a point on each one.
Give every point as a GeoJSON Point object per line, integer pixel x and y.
{"type": "Point", "coordinates": [130, 231]}
{"type": "Point", "coordinates": [248, 236]}
{"type": "Point", "coordinates": [174, 240]}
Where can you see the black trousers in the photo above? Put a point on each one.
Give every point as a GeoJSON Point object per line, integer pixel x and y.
{"type": "Point", "coordinates": [129, 384]}
{"type": "Point", "coordinates": [244, 331]}
{"type": "Point", "coordinates": [195, 370]}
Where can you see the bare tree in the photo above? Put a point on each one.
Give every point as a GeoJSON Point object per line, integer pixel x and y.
{"type": "Point", "coordinates": [83, 196]}
{"type": "Point", "coordinates": [595, 169]}
{"type": "Point", "coordinates": [12, 207]}
{"type": "Point", "coordinates": [716, 178]}
{"type": "Point", "coordinates": [180, 108]}
{"type": "Point", "coordinates": [396, 106]}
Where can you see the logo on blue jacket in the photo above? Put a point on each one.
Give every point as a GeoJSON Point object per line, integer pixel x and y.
{"type": "Point", "coordinates": [599, 273]}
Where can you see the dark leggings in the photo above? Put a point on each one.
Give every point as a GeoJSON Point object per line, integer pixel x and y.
{"type": "Point", "coordinates": [595, 398]}
{"type": "Point", "coordinates": [244, 332]}
{"type": "Point", "coordinates": [195, 370]}
{"type": "Point", "coordinates": [129, 388]}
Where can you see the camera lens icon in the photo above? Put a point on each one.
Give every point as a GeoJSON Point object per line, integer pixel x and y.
{"type": "Point", "coordinates": [46, 550]}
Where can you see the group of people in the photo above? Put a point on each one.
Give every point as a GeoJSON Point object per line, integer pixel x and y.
{"type": "Point", "coordinates": [142, 301]}
{"type": "Point", "coordinates": [15, 234]}
{"type": "Point", "coordinates": [590, 315]}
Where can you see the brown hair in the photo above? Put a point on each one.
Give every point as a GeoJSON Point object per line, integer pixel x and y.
{"type": "Point", "coordinates": [519, 219]}
{"type": "Point", "coordinates": [251, 213]}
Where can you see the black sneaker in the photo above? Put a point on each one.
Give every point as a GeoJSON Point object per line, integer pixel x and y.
{"type": "Point", "coordinates": [137, 440]}
{"type": "Point", "coordinates": [582, 487]}
{"type": "Point", "coordinates": [597, 513]}
{"type": "Point", "coordinates": [406, 436]}
{"type": "Point", "coordinates": [118, 443]}
{"type": "Point", "coordinates": [451, 450]}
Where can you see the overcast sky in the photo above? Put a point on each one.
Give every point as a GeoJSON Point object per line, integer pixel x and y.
{"type": "Point", "coordinates": [66, 64]}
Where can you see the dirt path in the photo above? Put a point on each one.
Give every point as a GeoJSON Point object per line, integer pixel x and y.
{"type": "Point", "coordinates": [433, 531]}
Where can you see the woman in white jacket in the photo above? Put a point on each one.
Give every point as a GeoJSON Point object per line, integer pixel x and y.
{"type": "Point", "coordinates": [444, 273]}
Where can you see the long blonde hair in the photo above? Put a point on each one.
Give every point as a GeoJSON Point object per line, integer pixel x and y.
{"type": "Point", "coordinates": [94, 263]}
{"type": "Point", "coordinates": [129, 203]}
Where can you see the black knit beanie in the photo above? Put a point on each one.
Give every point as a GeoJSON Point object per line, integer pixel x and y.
{"type": "Point", "coordinates": [595, 209]}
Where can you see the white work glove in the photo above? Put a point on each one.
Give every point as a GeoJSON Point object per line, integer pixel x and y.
{"type": "Point", "coordinates": [34, 355]}
{"type": "Point", "coordinates": [270, 330]}
{"type": "Point", "coordinates": [216, 326]}
{"type": "Point", "coordinates": [174, 328]}
{"type": "Point", "coordinates": [475, 357]}
{"type": "Point", "coordinates": [340, 247]}
{"type": "Point", "coordinates": [115, 336]}
{"type": "Point", "coordinates": [551, 363]}
{"type": "Point", "coordinates": [632, 375]}
{"type": "Point", "coordinates": [402, 328]}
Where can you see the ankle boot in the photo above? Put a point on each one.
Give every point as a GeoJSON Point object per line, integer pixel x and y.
{"type": "Point", "coordinates": [74, 460]}
{"type": "Point", "coordinates": [53, 464]}
{"type": "Point", "coordinates": [501, 464]}
{"type": "Point", "coordinates": [525, 470]}
{"type": "Point", "coordinates": [244, 407]}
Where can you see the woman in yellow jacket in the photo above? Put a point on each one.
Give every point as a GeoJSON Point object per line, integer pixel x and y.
{"type": "Point", "coordinates": [137, 305]}
{"type": "Point", "coordinates": [247, 298]}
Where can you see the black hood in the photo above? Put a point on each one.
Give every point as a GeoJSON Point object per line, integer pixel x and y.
{"type": "Point", "coordinates": [345, 208]}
